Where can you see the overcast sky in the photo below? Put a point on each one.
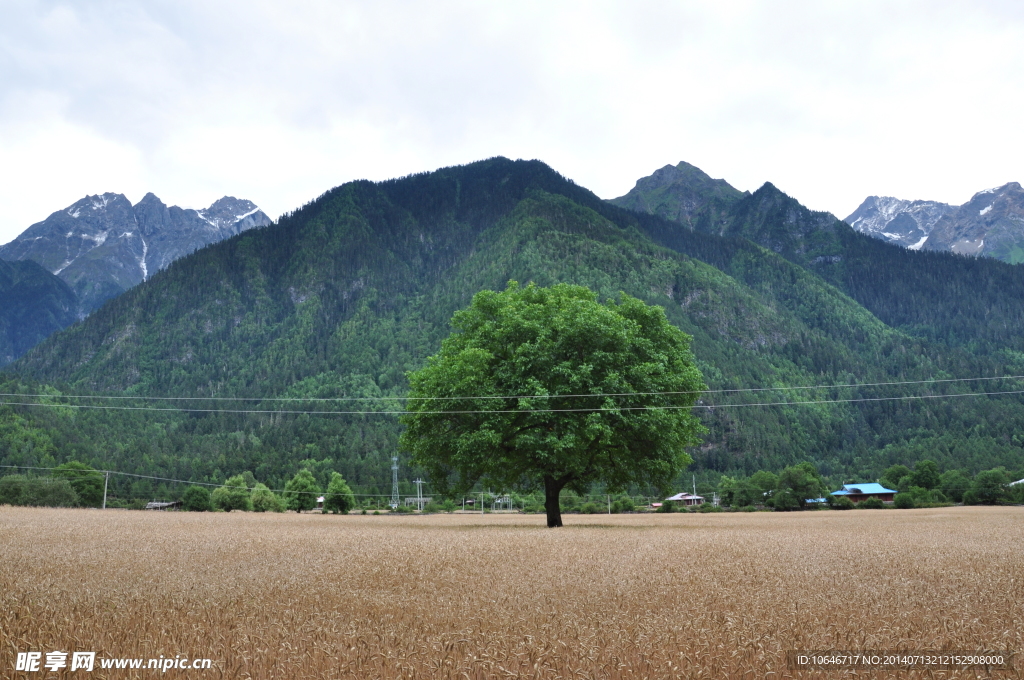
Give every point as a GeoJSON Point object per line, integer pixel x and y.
{"type": "Point", "coordinates": [279, 101]}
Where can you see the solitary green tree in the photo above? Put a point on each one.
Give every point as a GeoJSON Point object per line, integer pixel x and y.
{"type": "Point", "coordinates": [196, 499]}
{"type": "Point", "coordinates": [301, 491]}
{"type": "Point", "coordinates": [265, 500]}
{"type": "Point", "coordinates": [548, 387]}
{"type": "Point", "coordinates": [234, 495]}
{"type": "Point", "coordinates": [339, 497]}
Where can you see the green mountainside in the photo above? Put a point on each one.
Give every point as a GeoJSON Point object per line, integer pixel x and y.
{"type": "Point", "coordinates": [33, 304]}
{"type": "Point", "coordinates": [340, 298]}
{"type": "Point", "coordinates": [955, 300]}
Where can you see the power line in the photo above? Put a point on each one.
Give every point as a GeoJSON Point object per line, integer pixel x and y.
{"type": "Point", "coordinates": [499, 411]}
{"type": "Point", "coordinates": [517, 396]}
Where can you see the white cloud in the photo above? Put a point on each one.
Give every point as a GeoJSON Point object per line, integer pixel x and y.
{"type": "Point", "coordinates": [277, 102]}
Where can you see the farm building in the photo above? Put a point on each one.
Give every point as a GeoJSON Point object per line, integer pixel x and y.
{"type": "Point", "coordinates": [686, 499]}
{"type": "Point", "coordinates": [859, 492]}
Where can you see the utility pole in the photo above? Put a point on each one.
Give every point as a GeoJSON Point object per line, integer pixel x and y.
{"type": "Point", "coordinates": [419, 494]}
{"type": "Point", "coordinates": [106, 480]}
{"type": "Point", "coordinates": [394, 482]}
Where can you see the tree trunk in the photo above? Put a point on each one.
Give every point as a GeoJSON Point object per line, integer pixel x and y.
{"type": "Point", "coordinates": [552, 489]}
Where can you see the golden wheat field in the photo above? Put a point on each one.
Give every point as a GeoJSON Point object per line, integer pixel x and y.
{"type": "Point", "coordinates": [472, 596]}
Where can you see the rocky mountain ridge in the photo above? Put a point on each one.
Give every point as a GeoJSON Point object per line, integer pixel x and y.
{"type": "Point", "coordinates": [894, 220]}
{"type": "Point", "coordinates": [102, 245]}
{"type": "Point", "coordinates": [991, 224]}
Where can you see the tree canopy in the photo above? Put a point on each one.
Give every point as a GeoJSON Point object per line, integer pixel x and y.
{"type": "Point", "coordinates": [339, 497]}
{"type": "Point", "coordinates": [548, 386]}
{"type": "Point", "coordinates": [301, 491]}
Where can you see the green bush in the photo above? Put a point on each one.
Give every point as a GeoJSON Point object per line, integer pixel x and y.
{"type": "Point", "coordinates": [87, 482]}
{"type": "Point", "coordinates": [623, 504]}
{"type": "Point", "coordinates": [339, 497]}
{"type": "Point", "coordinates": [403, 509]}
{"type": "Point", "coordinates": [903, 501]}
{"type": "Point", "coordinates": [747, 508]}
{"type": "Point", "coordinates": [42, 492]}
{"type": "Point", "coordinates": [988, 488]}
{"type": "Point", "coordinates": [449, 506]}
{"type": "Point", "coordinates": [196, 499]}
{"type": "Point", "coordinates": [300, 491]}
{"type": "Point", "coordinates": [12, 488]}
{"type": "Point", "coordinates": [432, 507]}
{"type": "Point", "coordinates": [232, 496]}
{"type": "Point", "coordinates": [263, 499]}
{"type": "Point", "coordinates": [785, 500]}
{"type": "Point", "coordinates": [667, 507]}
{"type": "Point", "coordinates": [590, 508]}
{"type": "Point", "coordinates": [842, 503]}
{"type": "Point", "coordinates": [871, 504]}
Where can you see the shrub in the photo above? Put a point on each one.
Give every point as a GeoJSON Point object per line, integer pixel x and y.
{"type": "Point", "coordinates": [12, 488]}
{"type": "Point", "coordinates": [988, 488]}
{"type": "Point", "coordinates": [37, 491]}
{"type": "Point", "coordinates": [785, 500]}
{"type": "Point", "coordinates": [232, 496]}
{"type": "Point", "coordinates": [842, 503]}
{"type": "Point", "coordinates": [871, 504]}
{"type": "Point", "coordinates": [403, 509]}
{"type": "Point", "coordinates": [196, 499]}
{"type": "Point", "coordinates": [747, 508]}
{"type": "Point", "coordinates": [449, 506]}
{"type": "Point", "coordinates": [667, 507]}
{"type": "Point", "coordinates": [87, 482]}
{"type": "Point", "coordinates": [265, 500]}
{"type": "Point", "coordinates": [301, 491]}
{"type": "Point", "coordinates": [590, 508]}
{"type": "Point", "coordinates": [903, 501]}
{"type": "Point", "coordinates": [433, 507]}
{"type": "Point", "coordinates": [339, 497]}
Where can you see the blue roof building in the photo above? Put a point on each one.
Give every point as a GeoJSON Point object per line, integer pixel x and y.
{"type": "Point", "coordinates": [858, 492]}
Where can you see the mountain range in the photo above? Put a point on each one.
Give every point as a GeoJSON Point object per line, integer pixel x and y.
{"type": "Point", "coordinates": [991, 224]}
{"type": "Point", "coordinates": [340, 298]}
{"type": "Point", "coordinates": [103, 245]}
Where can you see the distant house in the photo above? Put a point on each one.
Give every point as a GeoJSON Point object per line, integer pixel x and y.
{"type": "Point", "coordinates": [686, 499]}
{"type": "Point", "coordinates": [319, 502]}
{"type": "Point", "coordinates": [859, 492]}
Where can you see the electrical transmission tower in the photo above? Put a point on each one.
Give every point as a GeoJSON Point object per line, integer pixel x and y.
{"type": "Point", "coordinates": [394, 482]}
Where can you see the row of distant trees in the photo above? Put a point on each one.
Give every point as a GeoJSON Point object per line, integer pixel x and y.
{"type": "Point", "coordinates": [75, 484]}
{"type": "Point", "coordinates": [243, 492]}
{"type": "Point", "coordinates": [922, 486]}
{"type": "Point", "coordinates": [70, 485]}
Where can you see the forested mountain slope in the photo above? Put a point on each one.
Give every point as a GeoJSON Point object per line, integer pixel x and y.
{"type": "Point", "coordinates": [952, 299]}
{"type": "Point", "coordinates": [33, 304]}
{"type": "Point", "coordinates": [341, 297]}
